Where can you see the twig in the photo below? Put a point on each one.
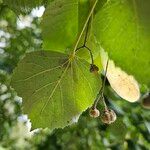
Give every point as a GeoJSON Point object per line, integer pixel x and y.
{"type": "Point", "coordinates": [100, 94]}
{"type": "Point", "coordinates": [82, 31]}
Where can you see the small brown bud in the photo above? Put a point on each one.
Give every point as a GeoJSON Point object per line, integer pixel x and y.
{"type": "Point", "coordinates": [108, 116]}
{"type": "Point", "coordinates": [94, 68]}
{"type": "Point", "coordinates": [94, 113]}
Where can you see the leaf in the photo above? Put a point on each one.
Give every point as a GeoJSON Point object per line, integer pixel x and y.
{"type": "Point", "coordinates": [23, 6]}
{"type": "Point", "coordinates": [60, 25]}
{"type": "Point", "coordinates": [122, 28]}
{"type": "Point", "coordinates": [54, 88]}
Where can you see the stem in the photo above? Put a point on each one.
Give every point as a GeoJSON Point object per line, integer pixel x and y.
{"type": "Point", "coordinates": [100, 94]}
{"type": "Point", "coordinates": [84, 44]}
{"type": "Point", "coordinates": [103, 85]}
{"type": "Point", "coordinates": [97, 100]}
{"type": "Point", "coordinates": [85, 38]}
{"type": "Point", "coordinates": [86, 33]}
{"type": "Point", "coordinates": [91, 55]}
{"type": "Point", "coordinates": [82, 31]}
{"type": "Point", "coordinates": [103, 99]}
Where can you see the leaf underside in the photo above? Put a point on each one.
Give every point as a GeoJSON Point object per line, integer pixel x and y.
{"type": "Point", "coordinates": [54, 89]}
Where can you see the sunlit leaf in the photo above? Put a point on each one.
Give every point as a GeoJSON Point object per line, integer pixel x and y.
{"type": "Point", "coordinates": [122, 27]}
{"type": "Point", "coordinates": [60, 25]}
{"type": "Point", "coordinates": [54, 88]}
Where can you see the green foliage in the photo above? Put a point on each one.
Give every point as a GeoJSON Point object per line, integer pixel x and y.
{"type": "Point", "coordinates": [122, 28]}
{"type": "Point", "coordinates": [52, 87]}
{"type": "Point", "coordinates": [23, 6]}
{"type": "Point", "coordinates": [60, 25]}
{"type": "Point", "coordinates": [89, 133]}
{"type": "Point", "coordinates": [132, 128]}
{"type": "Point", "coordinates": [17, 40]}
{"type": "Point", "coordinates": [9, 107]}
{"type": "Point", "coordinates": [57, 72]}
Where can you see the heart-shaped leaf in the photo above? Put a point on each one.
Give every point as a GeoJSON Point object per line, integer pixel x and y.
{"type": "Point", "coordinates": [55, 88]}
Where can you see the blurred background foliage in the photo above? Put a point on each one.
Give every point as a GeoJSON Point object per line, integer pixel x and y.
{"type": "Point", "coordinates": [131, 131]}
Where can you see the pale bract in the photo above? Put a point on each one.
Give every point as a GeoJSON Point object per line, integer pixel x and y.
{"type": "Point", "coordinates": [123, 84]}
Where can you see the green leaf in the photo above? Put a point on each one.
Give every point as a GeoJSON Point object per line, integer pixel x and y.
{"type": "Point", "coordinates": [60, 25]}
{"type": "Point", "coordinates": [63, 21]}
{"type": "Point", "coordinates": [54, 88]}
{"type": "Point", "coordinates": [23, 6]}
{"type": "Point", "coordinates": [122, 27]}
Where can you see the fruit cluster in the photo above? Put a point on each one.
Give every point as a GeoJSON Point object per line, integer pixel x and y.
{"type": "Point", "coordinates": [107, 116]}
